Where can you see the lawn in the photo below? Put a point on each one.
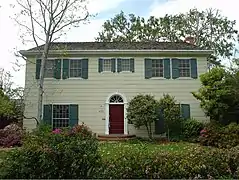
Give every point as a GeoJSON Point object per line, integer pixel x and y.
{"type": "Point", "coordinates": [115, 149]}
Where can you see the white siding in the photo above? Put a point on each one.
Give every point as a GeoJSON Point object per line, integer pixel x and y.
{"type": "Point", "coordinates": [91, 94]}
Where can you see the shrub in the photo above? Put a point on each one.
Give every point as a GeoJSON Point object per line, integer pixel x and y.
{"type": "Point", "coordinates": [11, 136]}
{"type": "Point", "coordinates": [171, 115]}
{"type": "Point", "coordinates": [63, 153]}
{"type": "Point", "coordinates": [142, 111]}
{"type": "Point", "coordinates": [200, 163]}
{"type": "Point", "coordinates": [220, 136]}
{"type": "Point", "coordinates": [191, 129]}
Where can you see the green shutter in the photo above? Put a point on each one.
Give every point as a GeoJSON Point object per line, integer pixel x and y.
{"type": "Point", "coordinates": [159, 124]}
{"type": "Point", "coordinates": [175, 68]}
{"type": "Point", "coordinates": [147, 68]}
{"type": "Point", "coordinates": [194, 72]}
{"type": "Point", "coordinates": [84, 68]}
{"type": "Point", "coordinates": [119, 60]}
{"type": "Point", "coordinates": [57, 69]}
{"type": "Point", "coordinates": [65, 74]}
{"type": "Point", "coordinates": [100, 65]}
{"type": "Point", "coordinates": [38, 68]}
{"type": "Point", "coordinates": [113, 65]}
{"type": "Point", "coordinates": [132, 64]}
{"type": "Point", "coordinates": [47, 114]}
{"type": "Point", "coordinates": [73, 115]}
{"type": "Point", "coordinates": [166, 64]}
{"type": "Point", "coordinates": [185, 110]}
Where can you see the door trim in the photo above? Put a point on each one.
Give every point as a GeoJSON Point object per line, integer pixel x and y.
{"type": "Point", "coordinates": [107, 111]}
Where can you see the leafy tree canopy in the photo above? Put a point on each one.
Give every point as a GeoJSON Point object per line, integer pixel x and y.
{"type": "Point", "coordinates": [210, 29]}
{"type": "Point", "coordinates": [219, 95]}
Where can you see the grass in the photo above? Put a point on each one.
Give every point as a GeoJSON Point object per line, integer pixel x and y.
{"type": "Point", "coordinates": [110, 150]}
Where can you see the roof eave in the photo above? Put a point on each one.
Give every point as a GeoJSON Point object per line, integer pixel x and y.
{"type": "Point", "coordinates": [116, 51]}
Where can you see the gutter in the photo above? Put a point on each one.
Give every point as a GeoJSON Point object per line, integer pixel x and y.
{"type": "Point", "coordinates": [116, 51]}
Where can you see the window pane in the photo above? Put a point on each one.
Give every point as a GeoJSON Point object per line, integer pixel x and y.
{"type": "Point", "coordinates": [75, 68]}
{"type": "Point", "coordinates": [184, 68]}
{"type": "Point", "coordinates": [60, 116]}
{"type": "Point", "coordinates": [49, 68]}
{"type": "Point", "coordinates": [125, 65]}
{"type": "Point", "coordinates": [107, 65]}
{"type": "Point", "coordinates": [157, 68]}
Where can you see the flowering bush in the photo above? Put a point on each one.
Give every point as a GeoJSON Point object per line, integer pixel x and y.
{"type": "Point", "coordinates": [220, 136]}
{"type": "Point", "coordinates": [61, 153]}
{"type": "Point", "coordinates": [11, 136]}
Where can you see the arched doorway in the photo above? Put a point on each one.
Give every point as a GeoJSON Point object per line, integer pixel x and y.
{"type": "Point", "coordinates": [115, 114]}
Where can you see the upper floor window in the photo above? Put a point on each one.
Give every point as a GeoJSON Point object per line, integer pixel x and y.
{"type": "Point", "coordinates": [75, 68]}
{"type": "Point", "coordinates": [116, 65]}
{"type": "Point", "coordinates": [125, 64]}
{"type": "Point", "coordinates": [184, 68]}
{"type": "Point", "coordinates": [49, 68]}
{"type": "Point", "coordinates": [107, 65]}
{"type": "Point", "coordinates": [157, 68]}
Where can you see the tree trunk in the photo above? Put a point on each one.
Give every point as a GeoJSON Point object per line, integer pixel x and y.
{"type": "Point", "coordinates": [41, 80]}
{"type": "Point", "coordinates": [149, 131]}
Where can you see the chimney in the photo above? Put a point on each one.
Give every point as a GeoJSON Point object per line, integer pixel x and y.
{"type": "Point", "coordinates": [190, 40]}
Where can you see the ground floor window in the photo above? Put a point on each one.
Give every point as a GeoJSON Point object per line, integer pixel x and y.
{"type": "Point", "coordinates": [61, 115]}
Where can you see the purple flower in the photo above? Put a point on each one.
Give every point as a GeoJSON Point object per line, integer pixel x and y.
{"type": "Point", "coordinates": [56, 131]}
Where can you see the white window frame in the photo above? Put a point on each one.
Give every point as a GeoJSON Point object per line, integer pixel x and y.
{"type": "Point", "coordinates": [75, 59]}
{"type": "Point", "coordinates": [184, 68]}
{"type": "Point", "coordinates": [103, 65]}
{"type": "Point", "coordinates": [158, 68]}
{"type": "Point", "coordinates": [123, 59]}
{"type": "Point", "coordinates": [59, 104]}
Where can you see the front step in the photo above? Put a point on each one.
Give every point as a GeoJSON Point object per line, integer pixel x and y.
{"type": "Point", "coordinates": [115, 137]}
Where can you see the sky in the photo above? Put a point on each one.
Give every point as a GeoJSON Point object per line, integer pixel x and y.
{"type": "Point", "coordinates": [104, 9]}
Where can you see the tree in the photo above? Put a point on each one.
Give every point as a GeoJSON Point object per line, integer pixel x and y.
{"type": "Point", "coordinates": [219, 95]}
{"type": "Point", "coordinates": [45, 21]}
{"type": "Point", "coordinates": [171, 114]}
{"type": "Point", "coordinates": [209, 29]}
{"type": "Point", "coordinates": [6, 106]}
{"type": "Point", "coordinates": [142, 111]}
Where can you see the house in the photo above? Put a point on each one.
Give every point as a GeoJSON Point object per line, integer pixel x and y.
{"type": "Point", "coordinates": [92, 82]}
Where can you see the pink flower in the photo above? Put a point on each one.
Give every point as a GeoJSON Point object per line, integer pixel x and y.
{"type": "Point", "coordinates": [56, 131]}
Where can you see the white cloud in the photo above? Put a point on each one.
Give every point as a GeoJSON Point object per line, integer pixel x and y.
{"type": "Point", "coordinates": [9, 33]}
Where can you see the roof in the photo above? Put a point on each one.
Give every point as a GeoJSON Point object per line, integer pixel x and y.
{"type": "Point", "coordinates": [119, 46]}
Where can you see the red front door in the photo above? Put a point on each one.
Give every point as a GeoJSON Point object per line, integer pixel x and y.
{"type": "Point", "coordinates": [116, 119]}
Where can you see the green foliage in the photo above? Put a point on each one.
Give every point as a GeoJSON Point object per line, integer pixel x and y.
{"type": "Point", "coordinates": [209, 27]}
{"type": "Point", "coordinates": [62, 153]}
{"type": "Point", "coordinates": [142, 111]}
{"type": "Point", "coordinates": [220, 136]}
{"type": "Point", "coordinates": [191, 129]}
{"type": "Point", "coordinates": [6, 106]}
{"type": "Point", "coordinates": [199, 162]}
{"type": "Point", "coordinates": [219, 95]}
{"type": "Point", "coordinates": [171, 114]}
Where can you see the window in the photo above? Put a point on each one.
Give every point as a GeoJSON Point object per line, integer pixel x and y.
{"type": "Point", "coordinates": [49, 68]}
{"type": "Point", "coordinates": [75, 68]}
{"type": "Point", "coordinates": [125, 65]}
{"type": "Point", "coordinates": [60, 116]}
{"type": "Point", "coordinates": [157, 68]}
{"type": "Point", "coordinates": [184, 68]}
{"type": "Point", "coordinates": [107, 65]}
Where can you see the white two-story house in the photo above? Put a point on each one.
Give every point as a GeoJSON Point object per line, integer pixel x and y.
{"type": "Point", "coordinates": [92, 82]}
